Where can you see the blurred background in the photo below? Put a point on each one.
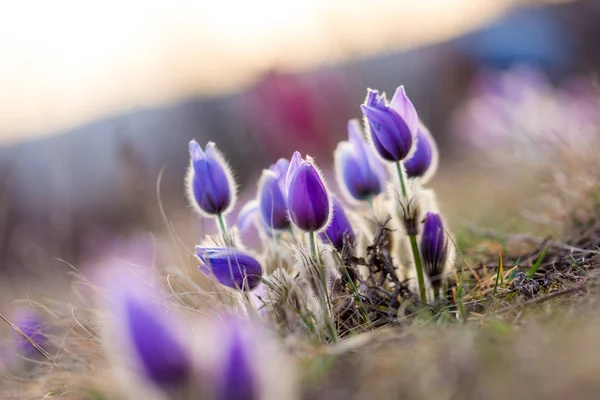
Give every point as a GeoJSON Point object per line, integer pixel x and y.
{"type": "Point", "coordinates": [96, 98]}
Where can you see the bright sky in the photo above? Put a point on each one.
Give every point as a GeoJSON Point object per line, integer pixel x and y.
{"type": "Point", "coordinates": [66, 62]}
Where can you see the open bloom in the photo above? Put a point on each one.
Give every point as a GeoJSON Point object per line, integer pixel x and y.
{"type": "Point", "coordinates": [210, 185]}
{"type": "Point", "coordinates": [308, 199]}
{"type": "Point", "coordinates": [423, 162]}
{"type": "Point", "coordinates": [358, 170]}
{"type": "Point", "coordinates": [392, 127]}
{"type": "Point", "coordinates": [434, 248]}
{"type": "Point", "coordinates": [272, 196]}
{"type": "Point", "coordinates": [162, 358]}
{"type": "Point", "coordinates": [338, 228]}
{"type": "Point", "coordinates": [232, 268]}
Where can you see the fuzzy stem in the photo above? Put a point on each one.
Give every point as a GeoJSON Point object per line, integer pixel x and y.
{"type": "Point", "coordinates": [436, 293]}
{"type": "Point", "coordinates": [419, 267]}
{"type": "Point", "coordinates": [402, 179]}
{"type": "Point", "coordinates": [325, 301]}
{"type": "Point", "coordinates": [223, 228]}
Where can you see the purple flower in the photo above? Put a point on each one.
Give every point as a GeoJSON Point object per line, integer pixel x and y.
{"type": "Point", "coordinates": [32, 325]}
{"type": "Point", "coordinates": [272, 196]}
{"type": "Point", "coordinates": [239, 379]}
{"type": "Point", "coordinates": [308, 199]}
{"type": "Point", "coordinates": [162, 357]}
{"type": "Point", "coordinates": [231, 267]}
{"type": "Point", "coordinates": [339, 228]}
{"type": "Point", "coordinates": [434, 248]}
{"type": "Point", "coordinates": [392, 127]}
{"type": "Point", "coordinates": [423, 161]}
{"type": "Point", "coordinates": [247, 214]}
{"type": "Point", "coordinates": [358, 170]}
{"type": "Point", "coordinates": [209, 182]}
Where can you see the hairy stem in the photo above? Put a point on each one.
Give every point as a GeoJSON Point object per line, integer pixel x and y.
{"type": "Point", "coordinates": [223, 228]}
{"type": "Point", "coordinates": [419, 267]}
{"type": "Point", "coordinates": [402, 179]}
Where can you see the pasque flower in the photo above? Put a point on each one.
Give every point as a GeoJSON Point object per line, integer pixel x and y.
{"type": "Point", "coordinates": [210, 184]}
{"type": "Point", "coordinates": [392, 127]}
{"type": "Point", "coordinates": [423, 161]}
{"type": "Point", "coordinates": [31, 325]}
{"type": "Point", "coordinates": [272, 196]}
{"type": "Point", "coordinates": [338, 228]}
{"type": "Point", "coordinates": [308, 199]}
{"type": "Point", "coordinates": [231, 267]}
{"type": "Point", "coordinates": [359, 172]}
{"type": "Point", "coordinates": [434, 248]}
{"type": "Point", "coordinates": [161, 356]}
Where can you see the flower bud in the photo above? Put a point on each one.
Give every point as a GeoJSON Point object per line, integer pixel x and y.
{"type": "Point", "coordinates": [358, 170]}
{"type": "Point", "coordinates": [423, 162]}
{"type": "Point", "coordinates": [392, 127]}
{"type": "Point", "coordinates": [232, 268]}
{"type": "Point", "coordinates": [434, 248]}
{"type": "Point", "coordinates": [210, 185]}
{"type": "Point", "coordinates": [338, 228]}
{"type": "Point", "coordinates": [272, 197]}
{"type": "Point", "coordinates": [162, 358]}
{"type": "Point", "coordinates": [309, 204]}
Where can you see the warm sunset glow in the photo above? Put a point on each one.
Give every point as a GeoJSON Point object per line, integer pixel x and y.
{"type": "Point", "coordinates": [66, 62]}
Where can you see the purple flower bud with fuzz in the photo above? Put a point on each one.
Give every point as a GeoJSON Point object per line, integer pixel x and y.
{"type": "Point", "coordinates": [231, 267]}
{"type": "Point", "coordinates": [309, 203]}
{"type": "Point", "coordinates": [434, 248]}
{"type": "Point", "coordinates": [393, 127]}
{"type": "Point", "coordinates": [210, 184]}
{"type": "Point", "coordinates": [272, 196]}
{"type": "Point", "coordinates": [160, 355]}
{"type": "Point", "coordinates": [424, 161]}
{"type": "Point", "coordinates": [339, 228]}
{"type": "Point", "coordinates": [359, 172]}
{"type": "Point", "coordinates": [33, 326]}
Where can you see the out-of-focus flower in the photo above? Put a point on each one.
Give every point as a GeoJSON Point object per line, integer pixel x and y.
{"type": "Point", "coordinates": [272, 196]}
{"type": "Point", "coordinates": [247, 215]}
{"type": "Point", "coordinates": [160, 355]}
{"type": "Point", "coordinates": [232, 268]}
{"type": "Point", "coordinates": [210, 184]}
{"type": "Point", "coordinates": [338, 228]}
{"type": "Point", "coordinates": [393, 127]}
{"type": "Point", "coordinates": [309, 202]}
{"type": "Point", "coordinates": [34, 327]}
{"type": "Point", "coordinates": [434, 248]}
{"type": "Point", "coordinates": [423, 162]}
{"type": "Point", "coordinates": [359, 172]}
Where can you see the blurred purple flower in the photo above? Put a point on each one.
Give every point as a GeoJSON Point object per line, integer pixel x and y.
{"type": "Point", "coordinates": [272, 196]}
{"type": "Point", "coordinates": [434, 248]}
{"type": "Point", "coordinates": [232, 268]}
{"type": "Point", "coordinates": [392, 127]}
{"type": "Point", "coordinates": [239, 379]}
{"type": "Point", "coordinates": [309, 203]}
{"type": "Point", "coordinates": [339, 227]}
{"type": "Point", "coordinates": [358, 169]}
{"type": "Point", "coordinates": [33, 326]}
{"type": "Point", "coordinates": [162, 357]}
{"type": "Point", "coordinates": [423, 162]}
{"type": "Point", "coordinates": [210, 185]}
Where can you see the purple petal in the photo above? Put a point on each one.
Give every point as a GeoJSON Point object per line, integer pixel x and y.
{"type": "Point", "coordinates": [240, 381]}
{"type": "Point", "coordinates": [404, 107]}
{"type": "Point", "coordinates": [389, 132]}
{"type": "Point", "coordinates": [247, 214]}
{"type": "Point", "coordinates": [421, 159]}
{"type": "Point", "coordinates": [339, 227]}
{"type": "Point", "coordinates": [210, 183]}
{"type": "Point", "coordinates": [230, 267]}
{"type": "Point", "coordinates": [308, 200]}
{"type": "Point", "coordinates": [273, 205]}
{"type": "Point", "coordinates": [162, 358]}
{"type": "Point", "coordinates": [294, 164]}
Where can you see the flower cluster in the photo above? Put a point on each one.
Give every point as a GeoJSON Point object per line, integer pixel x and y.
{"type": "Point", "coordinates": [294, 206]}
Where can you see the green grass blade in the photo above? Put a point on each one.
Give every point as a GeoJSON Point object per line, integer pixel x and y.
{"type": "Point", "coordinates": [537, 264]}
